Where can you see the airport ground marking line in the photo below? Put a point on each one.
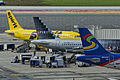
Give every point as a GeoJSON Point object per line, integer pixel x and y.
{"type": "Point", "coordinates": [63, 12]}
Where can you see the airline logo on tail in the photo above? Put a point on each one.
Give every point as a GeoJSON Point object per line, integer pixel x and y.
{"type": "Point", "coordinates": [13, 24]}
{"type": "Point", "coordinates": [12, 20]}
{"type": "Point", "coordinates": [93, 45]}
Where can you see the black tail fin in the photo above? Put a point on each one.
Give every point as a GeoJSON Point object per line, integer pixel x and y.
{"type": "Point", "coordinates": [42, 30]}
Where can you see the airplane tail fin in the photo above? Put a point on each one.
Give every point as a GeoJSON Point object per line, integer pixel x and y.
{"type": "Point", "coordinates": [90, 45]}
{"type": "Point", "coordinates": [13, 24]}
{"type": "Point", "coordinates": [42, 30]}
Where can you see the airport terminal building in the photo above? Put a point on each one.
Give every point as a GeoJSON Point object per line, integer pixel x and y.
{"type": "Point", "coordinates": [109, 38]}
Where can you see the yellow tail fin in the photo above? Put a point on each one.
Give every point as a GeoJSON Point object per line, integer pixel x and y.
{"type": "Point", "coordinates": [13, 24]}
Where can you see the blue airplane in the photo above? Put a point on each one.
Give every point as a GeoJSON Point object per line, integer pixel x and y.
{"type": "Point", "coordinates": [95, 53]}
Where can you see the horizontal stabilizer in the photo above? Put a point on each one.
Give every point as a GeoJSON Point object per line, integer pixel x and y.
{"type": "Point", "coordinates": [95, 60]}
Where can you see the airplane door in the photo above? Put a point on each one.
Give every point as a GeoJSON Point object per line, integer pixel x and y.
{"type": "Point", "coordinates": [55, 44]}
{"type": "Point", "coordinates": [58, 43]}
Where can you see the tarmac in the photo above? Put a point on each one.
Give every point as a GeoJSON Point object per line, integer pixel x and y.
{"type": "Point", "coordinates": [18, 71]}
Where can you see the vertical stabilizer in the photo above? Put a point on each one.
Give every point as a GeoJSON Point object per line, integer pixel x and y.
{"type": "Point", "coordinates": [13, 24]}
{"type": "Point", "coordinates": [42, 30]}
{"type": "Point", "coordinates": [90, 45]}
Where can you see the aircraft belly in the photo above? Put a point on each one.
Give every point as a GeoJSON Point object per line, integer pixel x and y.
{"type": "Point", "coordinates": [58, 47]}
{"type": "Point", "coordinates": [52, 46]}
{"type": "Point", "coordinates": [22, 34]}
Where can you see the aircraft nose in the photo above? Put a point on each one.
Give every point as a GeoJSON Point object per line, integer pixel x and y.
{"type": "Point", "coordinates": [77, 55]}
{"type": "Point", "coordinates": [33, 41]}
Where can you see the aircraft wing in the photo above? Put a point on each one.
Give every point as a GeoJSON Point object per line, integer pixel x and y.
{"type": "Point", "coordinates": [95, 60]}
{"type": "Point", "coordinates": [42, 30]}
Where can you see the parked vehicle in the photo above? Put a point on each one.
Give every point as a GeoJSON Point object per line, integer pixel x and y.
{"type": "Point", "coordinates": [82, 64]}
{"type": "Point", "coordinates": [2, 3]}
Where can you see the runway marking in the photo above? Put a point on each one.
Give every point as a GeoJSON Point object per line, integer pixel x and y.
{"type": "Point", "coordinates": [17, 75]}
{"type": "Point", "coordinates": [63, 12]}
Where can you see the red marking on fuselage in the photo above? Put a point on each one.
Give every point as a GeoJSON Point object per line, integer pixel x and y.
{"type": "Point", "coordinates": [108, 62]}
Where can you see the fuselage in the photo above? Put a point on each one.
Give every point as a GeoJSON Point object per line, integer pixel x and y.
{"type": "Point", "coordinates": [111, 60]}
{"type": "Point", "coordinates": [59, 44]}
{"type": "Point", "coordinates": [31, 34]}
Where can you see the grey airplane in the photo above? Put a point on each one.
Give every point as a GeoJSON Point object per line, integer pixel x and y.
{"type": "Point", "coordinates": [48, 39]}
{"type": "Point", "coordinates": [64, 45]}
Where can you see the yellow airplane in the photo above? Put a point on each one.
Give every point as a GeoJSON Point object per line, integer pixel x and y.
{"type": "Point", "coordinates": [17, 31]}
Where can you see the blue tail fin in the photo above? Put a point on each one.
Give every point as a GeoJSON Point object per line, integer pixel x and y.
{"type": "Point", "coordinates": [90, 45]}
